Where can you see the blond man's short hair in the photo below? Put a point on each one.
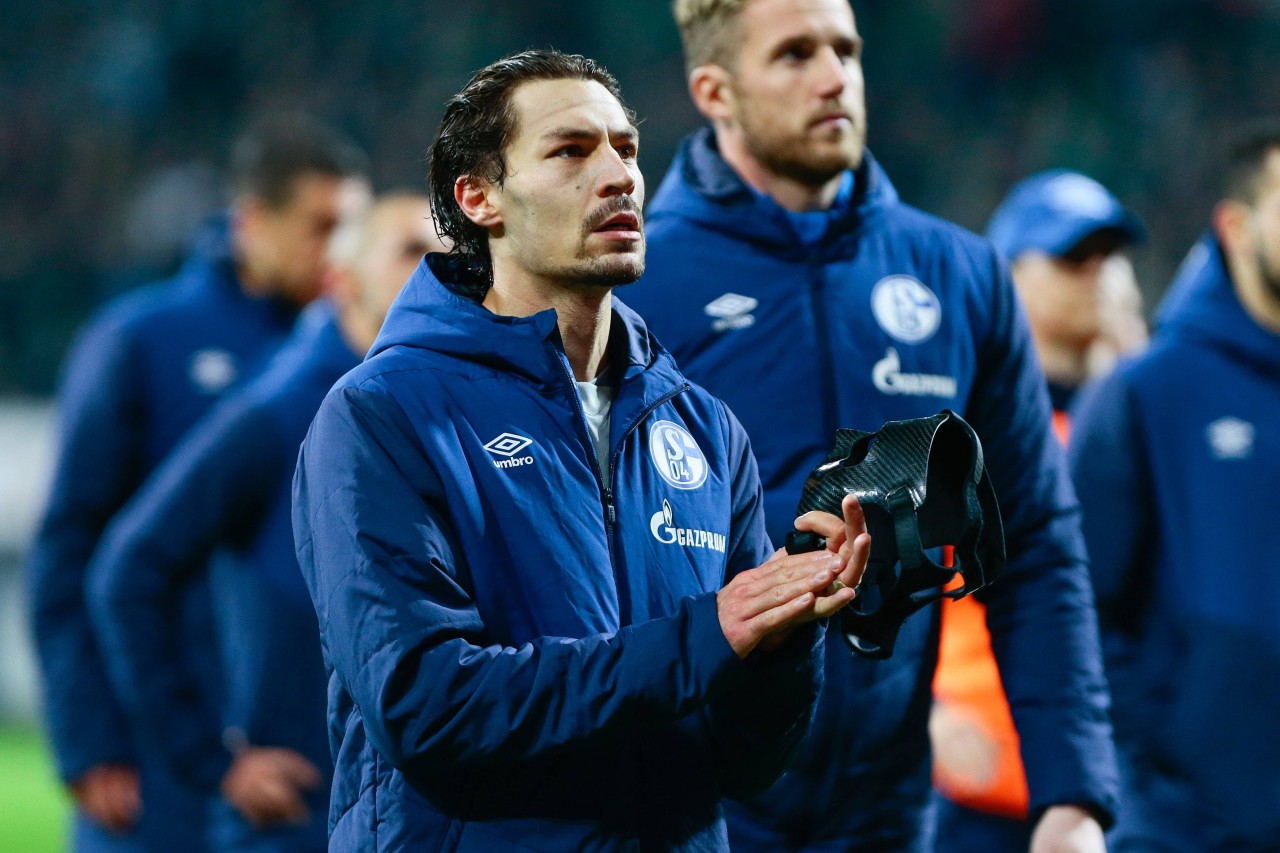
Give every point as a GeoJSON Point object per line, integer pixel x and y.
{"type": "Point", "coordinates": [709, 31]}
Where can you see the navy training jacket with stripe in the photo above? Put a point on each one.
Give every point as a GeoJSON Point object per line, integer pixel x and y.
{"type": "Point", "coordinates": [223, 499]}
{"type": "Point", "coordinates": [1176, 457]}
{"type": "Point", "coordinates": [522, 658]}
{"type": "Point", "coordinates": [869, 312]}
{"type": "Point", "coordinates": [145, 369]}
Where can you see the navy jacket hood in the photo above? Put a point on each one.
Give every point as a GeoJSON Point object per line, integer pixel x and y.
{"type": "Point", "coordinates": [212, 266]}
{"type": "Point", "coordinates": [1202, 305]}
{"type": "Point", "coordinates": [432, 313]}
{"type": "Point", "coordinates": [702, 187]}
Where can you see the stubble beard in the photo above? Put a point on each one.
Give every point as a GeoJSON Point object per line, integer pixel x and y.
{"type": "Point", "coordinates": [609, 271]}
{"type": "Point", "coordinates": [612, 269]}
{"type": "Point", "coordinates": [594, 270]}
{"type": "Point", "coordinates": [1267, 271]}
{"type": "Point", "coordinates": [793, 156]}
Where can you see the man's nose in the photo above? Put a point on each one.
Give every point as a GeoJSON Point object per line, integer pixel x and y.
{"type": "Point", "coordinates": [617, 176]}
{"type": "Point", "coordinates": [832, 74]}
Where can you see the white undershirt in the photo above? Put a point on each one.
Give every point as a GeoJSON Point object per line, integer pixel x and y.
{"type": "Point", "coordinates": [597, 400]}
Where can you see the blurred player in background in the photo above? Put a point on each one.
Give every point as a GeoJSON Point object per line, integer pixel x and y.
{"type": "Point", "coordinates": [1064, 235]}
{"type": "Point", "coordinates": [144, 370]}
{"type": "Point", "coordinates": [1176, 457]}
{"type": "Point", "coordinates": [786, 277]}
{"type": "Point", "coordinates": [224, 492]}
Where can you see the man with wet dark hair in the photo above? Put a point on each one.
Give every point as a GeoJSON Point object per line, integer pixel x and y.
{"type": "Point", "coordinates": [1176, 456]}
{"type": "Point", "coordinates": [548, 607]}
{"type": "Point", "coordinates": [474, 136]}
{"type": "Point", "coordinates": [144, 371]}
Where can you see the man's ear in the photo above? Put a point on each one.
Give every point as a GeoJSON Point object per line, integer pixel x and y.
{"type": "Point", "coordinates": [248, 213]}
{"type": "Point", "coordinates": [340, 284]}
{"type": "Point", "coordinates": [710, 88]}
{"type": "Point", "coordinates": [478, 201]}
{"type": "Point", "coordinates": [1231, 224]}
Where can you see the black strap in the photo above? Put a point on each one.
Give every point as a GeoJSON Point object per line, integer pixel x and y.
{"type": "Point", "coordinates": [922, 484]}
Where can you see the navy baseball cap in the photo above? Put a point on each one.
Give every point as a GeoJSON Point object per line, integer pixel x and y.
{"type": "Point", "coordinates": [1054, 211]}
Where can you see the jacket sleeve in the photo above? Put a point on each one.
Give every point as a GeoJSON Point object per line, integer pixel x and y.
{"type": "Point", "coordinates": [759, 725]}
{"type": "Point", "coordinates": [1040, 612]}
{"type": "Point", "coordinates": [407, 643]}
{"type": "Point", "coordinates": [1111, 474]}
{"type": "Point", "coordinates": [211, 490]}
{"type": "Point", "coordinates": [100, 459]}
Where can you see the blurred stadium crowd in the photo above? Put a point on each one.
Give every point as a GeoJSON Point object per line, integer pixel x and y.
{"type": "Point", "coordinates": [117, 116]}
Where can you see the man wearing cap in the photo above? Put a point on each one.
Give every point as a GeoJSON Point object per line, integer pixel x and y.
{"type": "Point", "coordinates": [1176, 455]}
{"type": "Point", "coordinates": [1063, 233]}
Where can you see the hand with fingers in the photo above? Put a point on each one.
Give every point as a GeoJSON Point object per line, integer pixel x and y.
{"type": "Point", "coordinates": [110, 794]}
{"type": "Point", "coordinates": [267, 785]}
{"type": "Point", "coordinates": [760, 608]}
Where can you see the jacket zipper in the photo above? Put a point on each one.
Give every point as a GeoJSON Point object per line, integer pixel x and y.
{"type": "Point", "coordinates": [826, 363]}
{"type": "Point", "coordinates": [606, 492]}
{"type": "Point", "coordinates": [614, 454]}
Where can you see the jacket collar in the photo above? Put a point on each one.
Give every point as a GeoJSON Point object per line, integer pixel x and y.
{"type": "Point", "coordinates": [702, 186]}
{"type": "Point", "coordinates": [1202, 304]}
{"type": "Point", "coordinates": [212, 265]}
{"type": "Point", "coordinates": [432, 314]}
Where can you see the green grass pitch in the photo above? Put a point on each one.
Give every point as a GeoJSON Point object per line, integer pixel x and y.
{"type": "Point", "coordinates": [33, 807]}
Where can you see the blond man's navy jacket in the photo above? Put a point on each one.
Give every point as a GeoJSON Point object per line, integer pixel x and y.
{"type": "Point", "coordinates": [849, 317]}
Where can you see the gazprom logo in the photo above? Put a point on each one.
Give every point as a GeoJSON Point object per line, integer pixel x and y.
{"type": "Point", "coordinates": [508, 445]}
{"type": "Point", "coordinates": [664, 528]}
{"type": "Point", "coordinates": [677, 456]}
{"type": "Point", "coordinates": [888, 378]}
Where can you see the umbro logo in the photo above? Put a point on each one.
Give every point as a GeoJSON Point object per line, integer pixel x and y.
{"type": "Point", "coordinates": [732, 311]}
{"type": "Point", "coordinates": [507, 446]}
{"type": "Point", "coordinates": [212, 370]}
{"type": "Point", "coordinates": [1230, 438]}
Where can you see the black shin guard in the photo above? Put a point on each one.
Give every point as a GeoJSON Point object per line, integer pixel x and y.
{"type": "Point", "coordinates": [922, 484]}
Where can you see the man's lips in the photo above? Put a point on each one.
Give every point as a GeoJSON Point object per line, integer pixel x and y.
{"type": "Point", "coordinates": [828, 119]}
{"type": "Point", "coordinates": [620, 226]}
{"type": "Point", "coordinates": [622, 222]}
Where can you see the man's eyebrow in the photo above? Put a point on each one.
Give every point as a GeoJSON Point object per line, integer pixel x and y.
{"type": "Point", "coordinates": [630, 132]}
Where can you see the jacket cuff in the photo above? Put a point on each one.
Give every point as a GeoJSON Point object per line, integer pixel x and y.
{"type": "Point", "coordinates": [203, 765]}
{"type": "Point", "coordinates": [781, 687]}
{"type": "Point", "coordinates": [75, 756]}
{"type": "Point", "coordinates": [1080, 769]}
{"type": "Point", "coordinates": [715, 664]}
